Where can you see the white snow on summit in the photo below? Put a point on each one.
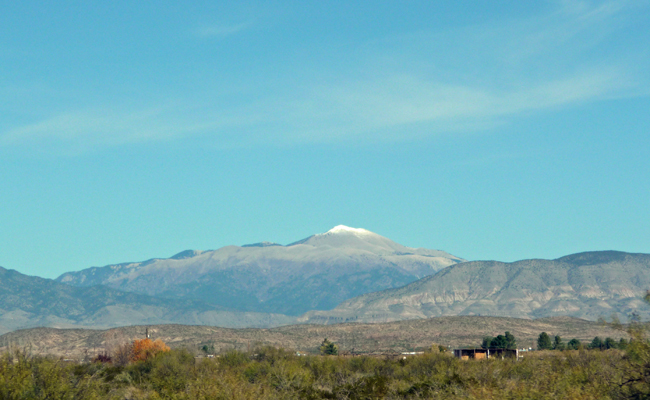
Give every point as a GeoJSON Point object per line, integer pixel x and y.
{"type": "Point", "coordinates": [347, 229]}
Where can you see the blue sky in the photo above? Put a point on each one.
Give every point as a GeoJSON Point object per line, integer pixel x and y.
{"type": "Point", "coordinates": [492, 131]}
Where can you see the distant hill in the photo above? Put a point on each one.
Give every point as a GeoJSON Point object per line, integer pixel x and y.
{"type": "Point", "coordinates": [314, 273]}
{"type": "Point", "coordinates": [29, 301]}
{"type": "Point", "coordinates": [359, 338]}
{"type": "Point", "coordinates": [586, 285]}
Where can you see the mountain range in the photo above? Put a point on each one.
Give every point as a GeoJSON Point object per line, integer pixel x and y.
{"type": "Point", "coordinates": [30, 301]}
{"type": "Point", "coordinates": [343, 275]}
{"type": "Point", "coordinates": [588, 285]}
{"type": "Point", "coordinates": [315, 273]}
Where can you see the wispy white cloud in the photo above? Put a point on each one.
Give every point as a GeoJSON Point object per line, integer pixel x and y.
{"type": "Point", "coordinates": [405, 106]}
{"type": "Point", "coordinates": [477, 78]}
{"type": "Point", "coordinates": [222, 30]}
{"type": "Point", "coordinates": [499, 71]}
{"type": "Point", "coordinates": [87, 129]}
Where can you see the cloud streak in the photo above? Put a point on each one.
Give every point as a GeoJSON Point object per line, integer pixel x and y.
{"type": "Point", "coordinates": [221, 31]}
{"type": "Point", "coordinates": [87, 129]}
{"type": "Point", "coordinates": [408, 105]}
{"type": "Point", "coordinates": [498, 71]}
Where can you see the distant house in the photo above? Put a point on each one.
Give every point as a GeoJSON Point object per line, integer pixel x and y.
{"type": "Point", "coordinates": [480, 353]}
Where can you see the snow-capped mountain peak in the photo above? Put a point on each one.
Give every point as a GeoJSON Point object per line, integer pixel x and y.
{"type": "Point", "coordinates": [268, 277]}
{"type": "Point", "coordinates": [346, 229]}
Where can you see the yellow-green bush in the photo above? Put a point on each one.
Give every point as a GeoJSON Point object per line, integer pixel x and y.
{"type": "Point", "coordinates": [269, 373]}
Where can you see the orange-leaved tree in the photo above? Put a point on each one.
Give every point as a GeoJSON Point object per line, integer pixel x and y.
{"type": "Point", "coordinates": [146, 348]}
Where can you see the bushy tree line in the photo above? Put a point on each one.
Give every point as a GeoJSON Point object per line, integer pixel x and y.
{"type": "Point", "coordinates": [544, 342]}
{"type": "Point", "coordinates": [270, 373]}
{"type": "Point", "coordinates": [149, 370]}
{"type": "Point", "coordinates": [506, 341]}
{"type": "Point", "coordinates": [608, 343]}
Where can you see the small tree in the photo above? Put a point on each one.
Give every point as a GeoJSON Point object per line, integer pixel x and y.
{"type": "Point", "coordinates": [597, 343]}
{"type": "Point", "coordinates": [146, 348]}
{"type": "Point", "coordinates": [544, 342]}
{"type": "Point", "coordinates": [511, 342]}
{"type": "Point", "coordinates": [123, 354]}
{"type": "Point", "coordinates": [610, 343]}
{"type": "Point", "coordinates": [436, 348]}
{"type": "Point", "coordinates": [499, 342]}
{"type": "Point", "coordinates": [208, 348]}
{"type": "Point", "coordinates": [328, 348]}
{"type": "Point", "coordinates": [558, 344]}
{"type": "Point", "coordinates": [574, 344]}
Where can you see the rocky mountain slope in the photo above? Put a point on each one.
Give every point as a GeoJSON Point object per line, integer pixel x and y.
{"type": "Point", "coordinates": [586, 285]}
{"type": "Point", "coordinates": [314, 273]}
{"type": "Point", "coordinates": [29, 301]}
{"type": "Point", "coordinates": [413, 335]}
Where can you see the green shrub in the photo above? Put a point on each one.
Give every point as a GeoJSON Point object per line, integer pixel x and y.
{"type": "Point", "coordinates": [366, 388]}
{"type": "Point", "coordinates": [272, 354]}
{"type": "Point", "coordinates": [279, 374]}
{"type": "Point", "coordinates": [234, 358]}
{"type": "Point", "coordinates": [171, 371]}
{"type": "Point", "coordinates": [257, 371]}
{"type": "Point", "coordinates": [328, 348]}
{"type": "Point", "coordinates": [288, 376]}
